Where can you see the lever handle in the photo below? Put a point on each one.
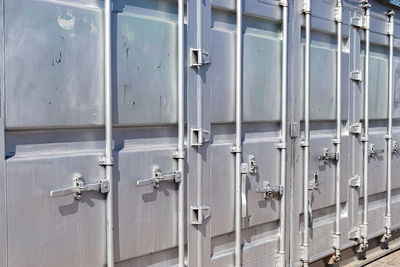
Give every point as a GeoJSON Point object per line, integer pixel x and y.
{"type": "Point", "coordinates": [79, 186]}
{"type": "Point", "coordinates": [159, 177]}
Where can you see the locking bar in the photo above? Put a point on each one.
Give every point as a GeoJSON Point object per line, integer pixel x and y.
{"type": "Point", "coordinates": [79, 186]}
{"type": "Point", "coordinates": [327, 156]}
{"type": "Point", "coordinates": [158, 177]}
{"type": "Point", "coordinates": [373, 152]}
{"type": "Point", "coordinates": [199, 137]}
{"type": "Point", "coordinates": [199, 214]}
{"type": "Point", "coordinates": [198, 58]}
{"type": "Point", "coordinates": [271, 191]}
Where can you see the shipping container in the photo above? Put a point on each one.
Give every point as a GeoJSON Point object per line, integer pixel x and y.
{"type": "Point", "coordinates": [199, 133]}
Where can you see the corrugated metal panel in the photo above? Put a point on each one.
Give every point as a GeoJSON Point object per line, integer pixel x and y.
{"type": "Point", "coordinates": [53, 115]}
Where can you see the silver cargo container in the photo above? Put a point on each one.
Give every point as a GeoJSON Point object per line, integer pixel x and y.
{"type": "Point", "coordinates": [199, 132]}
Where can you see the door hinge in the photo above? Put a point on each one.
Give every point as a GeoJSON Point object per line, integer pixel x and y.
{"type": "Point", "coordinates": [158, 177]}
{"type": "Point", "coordinates": [198, 58]}
{"type": "Point", "coordinates": [354, 234]}
{"type": "Point", "coordinates": [199, 214]}
{"type": "Point", "coordinates": [199, 137]}
{"type": "Point", "coordinates": [79, 186]}
{"type": "Point", "coordinates": [294, 130]}
{"type": "Point", "coordinates": [356, 128]}
{"type": "Point", "coordinates": [359, 22]}
{"type": "Point", "coordinates": [356, 75]}
{"type": "Point", "coordinates": [355, 181]}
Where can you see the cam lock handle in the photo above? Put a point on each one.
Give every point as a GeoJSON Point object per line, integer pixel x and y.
{"type": "Point", "coordinates": [79, 186]}
{"type": "Point", "coordinates": [159, 177]}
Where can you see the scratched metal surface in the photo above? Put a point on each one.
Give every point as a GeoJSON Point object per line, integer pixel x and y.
{"type": "Point", "coordinates": [54, 105]}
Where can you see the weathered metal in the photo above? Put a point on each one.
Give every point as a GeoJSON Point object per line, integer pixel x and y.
{"type": "Point", "coordinates": [211, 133]}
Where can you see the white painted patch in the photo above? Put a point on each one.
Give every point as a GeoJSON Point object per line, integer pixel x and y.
{"type": "Point", "coordinates": [67, 22]}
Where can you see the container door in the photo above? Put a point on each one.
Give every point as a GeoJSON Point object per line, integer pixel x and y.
{"type": "Point", "coordinates": [323, 157]}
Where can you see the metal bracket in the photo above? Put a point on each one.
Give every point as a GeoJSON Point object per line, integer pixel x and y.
{"type": "Point", "coordinates": [198, 58]}
{"type": "Point", "coordinates": [199, 137]}
{"type": "Point", "coordinates": [355, 181]}
{"type": "Point", "coordinates": [303, 252]}
{"type": "Point", "coordinates": [356, 128]}
{"type": "Point", "coordinates": [79, 186]}
{"type": "Point", "coordinates": [253, 165]}
{"type": "Point", "coordinates": [372, 152]}
{"type": "Point", "coordinates": [326, 156]}
{"type": "Point", "coordinates": [178, 154]}
{"type": "Point", "coordinates": [271, 191]}
{"type": "Point", "coordinates": [356, 75]}
{"type": "Point", "coordinates": [306, 7]}
{"type": "Point", "coordinates": [234, 149]}
{"type": "Point", "coordinates": [338, 14]}
{"type": "Point", "coordinates": [390, 25]}
{"type": "Point", "coordinates": [199, 214]}
{"type": "Point", "coordinates": [104, 161]}
{"type": "Point", "coordinates": [314, 183]}
{"type": "Point", "coordinates": [336, 240]}
{"type": "Point", "coordinates": [158, 177]}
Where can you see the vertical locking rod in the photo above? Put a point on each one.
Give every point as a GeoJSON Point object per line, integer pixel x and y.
{"type": "Point", "coordinates": [283, 150]}
{"type": "Point", "coordinates": [388, 233]}
{"type": "Point", "coordinates": [364, 226]}
{"type": "Point", "coordinates": [199, 185]}
{"type": "Point", "coordinates": [336, 234]}
{"type": "Point", "coordinates": [181, 129]}
{"type": "Point", "coordinates": [306, 140]}
{"type": "Point", "coordinates": [108, 130]}
{"type": "Point", "coordinates": [238, 154]}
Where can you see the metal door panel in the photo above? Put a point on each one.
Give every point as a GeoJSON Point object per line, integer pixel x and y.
{"type": "Point", "coordinates": [259, 209]}
{"type": "Point", "coordinates": [261, 74]}
{"type": "Point", "coordinates": [377, 164]}
{"type": "Point", "coordinates": [378, 83]}
{"type": "Point", "coordinates": [222, 185]}
{"type": "Point", "coordinates": [222, 189]}
{"type": "Point", "coordinates": [396, 86]}
{"type": "Point", "coordinates": [144, 213]}
{"type": "Point", "coordinates": [64, 57]}
{"type": "Point", "coordinates": [157, 259]}
{"type": "Point", "coordinates": [324, 195]}
{"type": "Point", "coordinates": [321, 233]}
{"type": "Point", "coordinates": [46, 231]}
{"type": "Point", "coordinates": [259, 247]}
{"type": "Point", "coordinates": [146, 69]}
